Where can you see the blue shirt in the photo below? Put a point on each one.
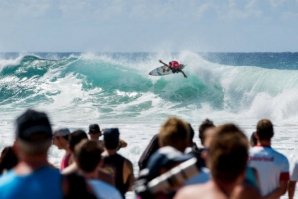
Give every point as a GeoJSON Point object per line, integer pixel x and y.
{"type": "Point", "coordinates": [45, 183]}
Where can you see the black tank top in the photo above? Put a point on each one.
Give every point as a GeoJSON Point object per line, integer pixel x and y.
{"type": "Point", "coordinates": [114, 165]}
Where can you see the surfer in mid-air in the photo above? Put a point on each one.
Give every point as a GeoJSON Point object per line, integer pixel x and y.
{"type": "Point", "coordinates": [174, 66]}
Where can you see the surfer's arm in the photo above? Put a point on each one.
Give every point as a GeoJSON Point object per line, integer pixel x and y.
{"type": "Point", "coordinates": [183, 73]}
{"type": "Point", "coordinates": [164, 63]}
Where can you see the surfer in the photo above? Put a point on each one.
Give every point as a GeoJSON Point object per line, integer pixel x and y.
{"type": "Point", "coordinates": [174, 66]}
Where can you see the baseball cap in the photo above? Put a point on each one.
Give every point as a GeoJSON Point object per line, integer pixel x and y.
{"type": "Point", "coordinates": [165, 157]}
{"type": "Point", "coordinates": [111, 135]}
{"type": "Point", "coordinates": [61, 131]}
{"type": "Point", "coordinates": [33, 126]}
{"type": "Point", "coordinates": [94, 129]}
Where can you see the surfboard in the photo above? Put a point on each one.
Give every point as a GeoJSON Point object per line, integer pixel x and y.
{"type": "Point", "coordinates": [162, 70]}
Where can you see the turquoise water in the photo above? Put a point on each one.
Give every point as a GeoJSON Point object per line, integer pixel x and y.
{"type": "Point", "coordinates": [114, 89]}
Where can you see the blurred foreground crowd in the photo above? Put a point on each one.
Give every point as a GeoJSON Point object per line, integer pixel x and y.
{"type": "Point", "coordinates": [225, 164]}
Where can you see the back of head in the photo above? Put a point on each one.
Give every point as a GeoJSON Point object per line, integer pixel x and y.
{"type": "Point", "coordinates": [174, 132]}
{"type": "Point", "coordinates": [265, 129]}
{"type": "Point", "coordinates": [76, 137]}
{"type": "Point", "coordinates": [228, 153]}
{"type": "Point", "coordinates": [33, 132]}
{"type": "Point", "coordinates": [202, 128]}
{"type": "Point", "coordinates": [191, 132]}
{"type": "Point", "coordinates": [8, 159]}
{"type": "Point", "coordinates": [88, 154]}
{"type": "Point", "coordinates": [111, 138]}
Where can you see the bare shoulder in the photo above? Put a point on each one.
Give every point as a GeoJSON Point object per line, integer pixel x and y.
{"type": "Point", "coordinates": [188, 192]}
{"type": "Point", "coordinates": [127, 163]}
{"type": "Point", "coordinates": [245, 191]}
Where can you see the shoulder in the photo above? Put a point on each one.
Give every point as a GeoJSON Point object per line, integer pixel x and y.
{"type": "Point", "coordinates": [7, 177]}
{"type": "Point", "coordinates": [104, 190]}
{"type": "Point", "coordinates": [280, 157]}
{"type": "Point", "coordinates": [188, 192]}
{"type": "Point", "coordinates": [127, 165]}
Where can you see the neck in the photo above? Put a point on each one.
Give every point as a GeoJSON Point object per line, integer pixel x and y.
{"type": "Point", "coordinates": [91, 175]}
{"type": "Point", "coordinates": [28, 164]}
{"type": "Point", "coordinates": [225, 187]}
{"type": "Point", "coordinates": [265, 143]}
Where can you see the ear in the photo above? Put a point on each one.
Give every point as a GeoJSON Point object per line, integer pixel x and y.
{"type": "Point", "coordinates": [15, 147]}
{"type": "Point", "coordinates": [100, 162]}
{"type": "Point", "coordinates": [69, 149]}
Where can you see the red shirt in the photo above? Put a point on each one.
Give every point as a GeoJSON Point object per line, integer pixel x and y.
{"type": "Point", "coordinates": [174, 64]}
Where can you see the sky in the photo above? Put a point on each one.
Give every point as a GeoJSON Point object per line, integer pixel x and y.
{"type": "Point", "coordinates": [148, 25]}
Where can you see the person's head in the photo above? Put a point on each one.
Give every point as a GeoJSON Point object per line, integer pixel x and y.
{"type": "Point", "coordinates": [191, 133]}
{"type": "Point", "coordinates": [87, 154]}
{"type": "Point", "coordinates": [111, 138]}
{"type": "Point", "coordinates": [61, 137]}
{"type": "Point", "coordinates": [174, 132]}
{"type": "Point", "coordinates": [94, 132]}
{"type": "Point", "coordinates": [228, 154]}
{"type": "Point", "coordinates": [75, 138]}
{"type": "Point", "coordinates": [253, 140]}
{"type": "Point", "coordinates": [8, 159]}
{"type": "Point", "coordinates": [33, 133]}
{"type": "Point", "coordinates": [203, 127]}
{"type": "Point", "coordinates": [264, 130]}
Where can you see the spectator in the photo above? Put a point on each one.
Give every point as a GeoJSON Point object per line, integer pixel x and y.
{"type": "Point", "coordinates": [175, 133]}
{"type": "Point", "coordinates": [88, 158]}
{"type": "Point", "coordinates": [60, 139]}
{"type": "Point", "coordinates": [75, 138]}
{"type": "Point", "coordinates": [227, 159]}
{"type": "Point", "coordinates": [162, 161]}
{"type": "Point", "coordinates": [202, 129]}
{"type": "Point", "coordinates": [120, 167]}
{"type": "Point", "coordinates": [293, 180]}
{"type": "Point", "coordinates": [32, 177]}
{"type": "Point", "coordinates": [8, 159]}
{"type": "Point", "coordinates": [272, 167]}
{"type": "Point", "coordinates": [95, 133]}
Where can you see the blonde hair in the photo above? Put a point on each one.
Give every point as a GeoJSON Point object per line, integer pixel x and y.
{"type": "Point", "coordinates": [174, 132]}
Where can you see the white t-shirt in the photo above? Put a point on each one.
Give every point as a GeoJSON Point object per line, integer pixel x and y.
{"type": "Point", "coordinates": [103, 190]}
{"type": "Point", "coordinates": [271, 165]}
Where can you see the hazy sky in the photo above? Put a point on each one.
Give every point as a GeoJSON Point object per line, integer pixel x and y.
{"type": "Point", "coordinates": [148, 25]}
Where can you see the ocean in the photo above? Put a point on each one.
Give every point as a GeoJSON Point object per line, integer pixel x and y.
{"type": "Point", "coordinates": [115, 90]}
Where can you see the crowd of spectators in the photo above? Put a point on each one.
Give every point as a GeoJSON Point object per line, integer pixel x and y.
{"type": "Point", "coordinates": [224, 165]}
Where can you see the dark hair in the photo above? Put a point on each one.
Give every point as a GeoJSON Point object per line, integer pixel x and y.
{"type": "Point", "coordinates": [202, 128]}
{"type": "Point", "coordinates": [112, 145]}
{"type": "Point", "coordinates": [265, 129]}
{"type": "Point", "coordinates": [253, 140]}
{"type": "Point", "coordinates": [191, 132]}
{"type": "Point", "coordinates": [228, 153]}
{"type": "Point", "coordinates": [8, 159]}
{"type": "Point", "coordinates": [76, 137]}
{"type": "Point", "coordinates": [88, 154]}
{"type": "Point", "coordinates": [78, 187]}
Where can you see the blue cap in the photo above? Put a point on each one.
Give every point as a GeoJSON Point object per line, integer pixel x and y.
{"type": "Point", "coordinates": [111, 135]}
{"type": "Point", "coordinates": [33, 126]}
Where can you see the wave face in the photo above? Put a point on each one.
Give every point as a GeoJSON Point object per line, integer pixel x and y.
{"type": "Point", "coordinates": [117, 87]}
